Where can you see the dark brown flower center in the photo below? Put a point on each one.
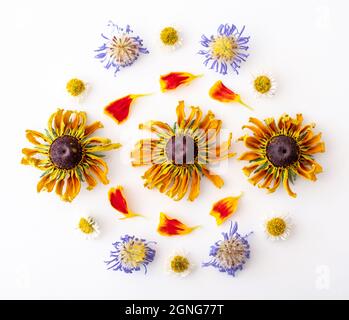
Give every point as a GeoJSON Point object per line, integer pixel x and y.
{"type": "Point", "coordinates": [282, 151]}
{"type": "Point", "coordinates": [66, 152]}
{"type": "Point", "coordinates": [181, 149]}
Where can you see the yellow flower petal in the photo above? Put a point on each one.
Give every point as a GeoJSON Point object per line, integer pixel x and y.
{"type": "Point", "coordinates": [225, 208]}
{"type": "Point", "coordinates": [172, 227]}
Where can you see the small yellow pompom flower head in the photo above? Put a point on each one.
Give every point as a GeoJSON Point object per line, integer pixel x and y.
{"type": "Point", "coordinates": [170, 37]}
{"type": "Point", "coordinates": [75, 87]}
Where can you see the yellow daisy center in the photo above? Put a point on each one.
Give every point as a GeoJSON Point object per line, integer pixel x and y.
{"type": "Point", "coordinates": [179, 264]}
{"type": "Point", "coordinates": [133, 253]}
{"type": "Point", "coordinates": [224, 48]}
{"type": "Point", "coordinates": [75, 87]}
{"type": "Point", "coordinates": [262, 84]}
{"type": "Point", "coordinates": [276, 227]}
{"type": "Point", "coordinates": [169, 36]}
{"type": "Point", "coordinates": [86, 226]}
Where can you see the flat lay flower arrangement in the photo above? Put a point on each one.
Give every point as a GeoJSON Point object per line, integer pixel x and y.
{"type": "Point", "coordinates": [179, 154]}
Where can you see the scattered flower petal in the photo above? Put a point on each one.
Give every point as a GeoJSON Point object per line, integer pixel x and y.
{"type": "Point", "coordinates": [221, 93]}
{"type": "Point", "coordinates": [131, 254]}
{"type": "Point", "coordinates": [119, 203]}
{"type": "Point", "coordinates": [173, 80]}
{"type": "Point", "coordinates": [171, 227]}
{"type": "Point", "coordinates": [119, 109]}
{"type": "Point", "coordinates": [225, 208]}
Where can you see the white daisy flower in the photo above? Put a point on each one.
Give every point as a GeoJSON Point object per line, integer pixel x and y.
{"type": "Point", "coordinates": [77, 89]}
{"type": "Point", "coordinates": [179, 264]}
{"type": "Point", "coordinates": [263, 84]}
{"type": "Point", "coordinates": [88, 228]}
{"type": "Point", "coordinates": [277, 227]}
{"type": "Point", "coordinates": [170, 37]}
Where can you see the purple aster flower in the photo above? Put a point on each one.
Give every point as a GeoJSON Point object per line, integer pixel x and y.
{"type": "Point", "coordinates": [120, 48]}
{"type": "Point", "coordinates": [230, 254]}
{"type": "Point", "coordinates": [228, 47]}
{"type": "Point", "coordinates": [130, 254]}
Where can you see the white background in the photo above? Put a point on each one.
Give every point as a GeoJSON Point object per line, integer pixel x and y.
{"type": "Point", "coordinates": [45, 43]}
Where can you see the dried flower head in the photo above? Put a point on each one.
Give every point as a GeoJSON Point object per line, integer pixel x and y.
{"type": "Point", "coordinates": [67, 154]}
{"type": "Point", "coordinates": [230, 254]}
{"type": "Point", "coordinates": [120, 48]}
{"type": "Point", "coordinates": [227, 47]}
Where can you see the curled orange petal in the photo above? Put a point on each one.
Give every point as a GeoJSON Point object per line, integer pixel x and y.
{"type": "Point", "coordinates": [223, 94]}
{"type": "Point", "coordinates": [172, 227]}
{"type": "Point", "coordinates": [119, 203]}
{"type": "Point", "coordinates": [225, 208]}
{"type": "Point", "coordinates": [119, 109]}
{"type": "Point", "coordinates": [173, 80]}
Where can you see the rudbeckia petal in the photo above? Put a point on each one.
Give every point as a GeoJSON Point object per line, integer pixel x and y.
{"type": "Point", "coordinates": [195, 186]}
{"type": "Point", "coordinates": [33, 137]}
{"type": "Point", "coordinates": [214, 178]}
{"type": "Point", "coordinates": [320, 147]}
{"type": "Point", "coordinates": [249, 169]}
{"type": "Point", "coordinates": [249, 156]}
{"type": "Point", "coordinates": [173, 80]}
{"type": "Point", "coordinates": [59, 187]}
{"type": "Point", "coordinates": [180, 112]}
{"type": "Point", "coordinates": [172, 227]}
{"type": "Point", "coordinates": [222, 93]}
{"type": "Point", "coordinates": [224, 208]}
{"type": "Point", "coordinates": [258, 177]}
{"type": "Point", "coordinates": [72, 189]}
{"type": "Point", "coordinates": [275, 186]}
{"type": "Point", "coordinates": [119, 203]}
{"type": "Point", "coordinates": [93, 127]}
{"type": "Point", "coordinates": [287, 186]}
{"type": "Point", "coordinates": [120, 108]}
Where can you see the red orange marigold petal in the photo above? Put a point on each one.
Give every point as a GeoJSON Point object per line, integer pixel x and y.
{"type": "Point", "coordinates": [173, 80]}
{"type": "Point", "coordinates": [119, 109]}
{"type": "Point", "coordinates": [172, 227]}
{"type": "Point", "coordinates": [119, 203]}
{"type": "Point", "coordinates": [225, 208]}
{"type": "Point", "coordinates": [222, 93]}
